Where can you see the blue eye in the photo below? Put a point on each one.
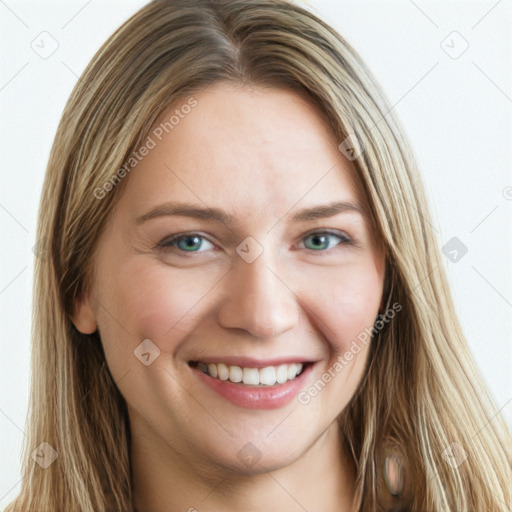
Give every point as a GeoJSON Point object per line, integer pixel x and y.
{"type": "Point", "coordinates": [322, 240]}
{"type": "Point", "coordinates": [186, 243]}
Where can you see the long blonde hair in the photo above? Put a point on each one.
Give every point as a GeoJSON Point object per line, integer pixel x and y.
{"type": "Point", "coordinates": [421, 398]}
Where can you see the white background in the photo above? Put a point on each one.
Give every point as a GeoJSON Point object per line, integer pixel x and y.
{"type": "Point", "coordinates": [456, 112]}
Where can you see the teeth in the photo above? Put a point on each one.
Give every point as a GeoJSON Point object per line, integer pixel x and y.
{"type": "Point", "coordinates": [212, 370]}
{"type": "Point", "coordinates": [222, 370]}
{"type": "Point", "coordinates": [235, 374]}
{"type": "Point", "coordinates": [268, 376]}
{"type": "Point", "coordinates": [251, 376]}
{"type": "Point", "coordinates": [282, 374]}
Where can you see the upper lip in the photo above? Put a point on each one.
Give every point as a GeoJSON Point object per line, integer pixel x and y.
{"type": "Point", "coordinates": [250, 362]}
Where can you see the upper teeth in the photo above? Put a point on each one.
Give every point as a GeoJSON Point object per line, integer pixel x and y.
{"type": "Point", "coordinates": [253, 376]}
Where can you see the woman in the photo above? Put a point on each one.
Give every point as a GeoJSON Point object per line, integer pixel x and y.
{"type": "Point", "coordinates": [197, 346]}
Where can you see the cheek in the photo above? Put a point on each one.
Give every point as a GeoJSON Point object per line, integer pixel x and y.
{"type": "Point", "coordinates": [347, 305]}
{"type": "Point", "coordinates": [344, 311]}
{"type": "Point", "coordinates": [157, 302]}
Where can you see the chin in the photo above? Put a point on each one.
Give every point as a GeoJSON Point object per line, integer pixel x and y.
{"type": "Point", "coordinates": [260, 462]}
{"type": "Point", "coordinates": [257, 454]}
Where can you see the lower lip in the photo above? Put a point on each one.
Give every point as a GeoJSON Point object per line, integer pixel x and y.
{"type": "Point", "coordinates": [253, 397]}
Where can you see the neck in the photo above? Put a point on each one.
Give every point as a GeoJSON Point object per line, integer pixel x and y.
{"type": "Point", "coordinates": [323, 478]}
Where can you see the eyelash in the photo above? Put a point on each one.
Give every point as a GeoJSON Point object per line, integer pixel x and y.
{"type": "Point", "coordinates": [167, 243]}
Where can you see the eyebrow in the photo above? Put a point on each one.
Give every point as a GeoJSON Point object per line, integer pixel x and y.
{"type": "Point", "coordinates": [222, 217]}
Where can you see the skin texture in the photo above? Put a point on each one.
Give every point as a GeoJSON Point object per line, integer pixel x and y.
{"type": "Point", "coordinates": [261, 155]}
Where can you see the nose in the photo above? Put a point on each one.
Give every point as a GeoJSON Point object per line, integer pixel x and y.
{"type": "Point", "coordinates": [258, 300]}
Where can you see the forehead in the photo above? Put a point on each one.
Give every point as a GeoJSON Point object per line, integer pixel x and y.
{"type": "Point", "coordinates": [248, 149]}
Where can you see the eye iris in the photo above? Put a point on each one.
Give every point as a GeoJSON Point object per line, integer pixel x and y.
{"type": "Point", "coordinates": [192, 243]}
{"type": "Point", "coordinates": [323, 240]}
{"type": "Point", "coordinates": [189, 246]}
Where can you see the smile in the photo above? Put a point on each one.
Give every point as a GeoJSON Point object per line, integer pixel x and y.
{"type": "Point", "coordinates": [253, 384]}
{"type": "Point", "coordinates": [268, 376]}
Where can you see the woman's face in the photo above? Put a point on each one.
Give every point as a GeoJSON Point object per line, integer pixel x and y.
{"type": "Point", "coordinates": [265, 278]}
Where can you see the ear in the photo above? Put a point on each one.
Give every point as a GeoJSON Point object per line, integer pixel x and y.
{"type": "Point", "coordinates": [84, 317]}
